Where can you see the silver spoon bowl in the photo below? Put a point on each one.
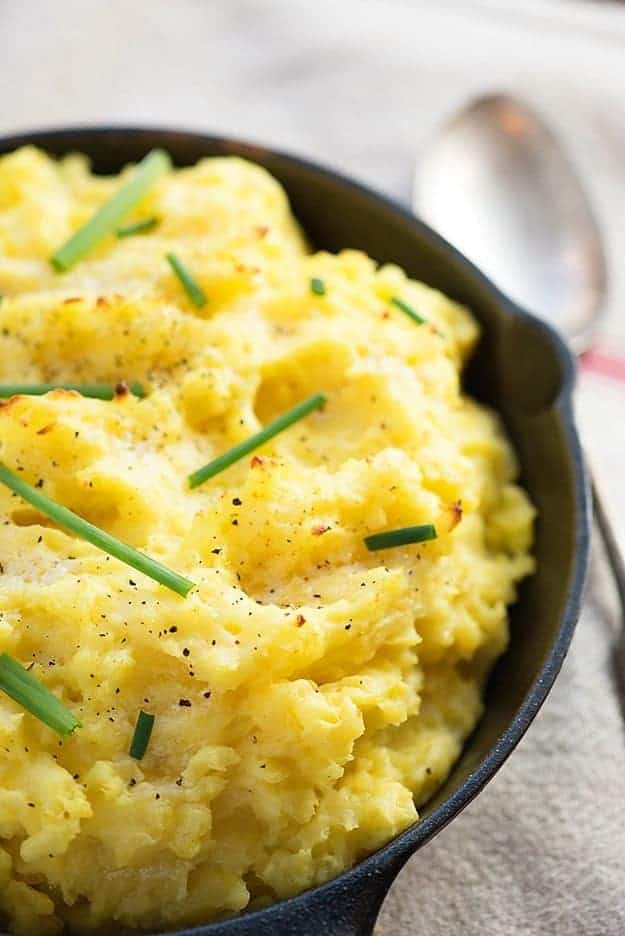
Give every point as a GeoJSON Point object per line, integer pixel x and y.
{"type": "Point", "coordinates": [496, 183]}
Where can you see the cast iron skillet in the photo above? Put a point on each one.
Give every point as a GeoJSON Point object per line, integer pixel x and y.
{"type": "Point", "coordinates": [523, 370]}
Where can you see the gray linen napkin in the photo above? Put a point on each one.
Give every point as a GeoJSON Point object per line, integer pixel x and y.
{"type": "Point", "coordinates": [360, 84]}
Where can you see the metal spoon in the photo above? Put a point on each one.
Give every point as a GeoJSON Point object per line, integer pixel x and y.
{"type": "Point", "coordinates": [496, 184]}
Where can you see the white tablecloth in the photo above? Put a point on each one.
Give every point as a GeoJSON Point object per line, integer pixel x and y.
{"type": "Point", "coordinates": [360, 85]}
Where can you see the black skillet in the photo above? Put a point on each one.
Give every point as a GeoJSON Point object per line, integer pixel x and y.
{"type": "Point", "coordinates": [522, 369]}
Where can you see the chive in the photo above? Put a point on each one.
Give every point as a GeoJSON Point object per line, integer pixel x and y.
{"type": "Point", "coordinates": [106, 218]}
{"type": "Point", "coordinates": [92, 534]}
{"type": "Point", "coordinates": [244, 448]}
{"type": "Point", "coordinates": [141, 737]}
{"type": "Point", "coordinates": [96, 391]}
{"type": "Point", "coordinates": [317, 286]}
{"type": "Point", "coordinates": [192, 289]}
{"type": "Point", "coordinates": [401, 537]}
{"type": "Point", "coordinates": [141, 227]}
{"type": "Point", "coordinates": [36, 698]}
{"type": "Point", "coordinates": [407, 310]}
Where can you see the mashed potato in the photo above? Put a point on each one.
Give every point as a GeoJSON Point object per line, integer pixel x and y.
{"type": "Point", "coordinates": [309, 694]}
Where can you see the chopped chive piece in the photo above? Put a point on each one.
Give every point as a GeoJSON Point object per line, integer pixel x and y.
{"type": "Point", "coordinates": [36, 698]}
{"type": "Point", "coordinates": [94, 535]}
{"type": "Point", "coordinates": [244, 448]}
{"type": "Point", "coordinates": [97, 391]}
{"type": "Point", "coordinates": [192, 289]}
{"type": "Point", "coordinates": [141, 227]}
{"type": "Point", "coordinates": [317, 286]}
{"type": "Point", "coordinates": [108, 216]}
{"type": "Point", "coordinates": [407, 310]}
{"type": "Point", "coordinates": [401, 537]}
{"type": "Point", "coordinates": [141, 737]}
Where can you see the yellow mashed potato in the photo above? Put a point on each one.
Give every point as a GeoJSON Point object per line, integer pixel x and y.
{"type": "Point", "coordinates": [309, 694]}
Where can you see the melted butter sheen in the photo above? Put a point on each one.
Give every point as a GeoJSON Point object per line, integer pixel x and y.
{"type": "Point", "coordinates": [309, 695]}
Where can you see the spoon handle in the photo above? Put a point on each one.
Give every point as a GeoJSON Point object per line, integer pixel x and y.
{"type": "Point", "coordinates": [612, 548]}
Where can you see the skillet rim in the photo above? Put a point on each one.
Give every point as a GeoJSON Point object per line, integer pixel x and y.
{"type": "Point", "coordinates": [389, 859]}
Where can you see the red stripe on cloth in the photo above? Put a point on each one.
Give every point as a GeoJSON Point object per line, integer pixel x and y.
{"type": "Point", "coordinates": [608, 365]}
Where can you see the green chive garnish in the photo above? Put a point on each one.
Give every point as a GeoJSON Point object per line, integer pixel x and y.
{"type": "Point", "coordinates": [317, 286]}
{"type": "Point", "coordinates": [244, 448]}
{"type": "Point", "coordinates": [36, 698]}
{"type": "Point", "coordinates": [106, 218]}
{"type": "Point", "coordinates": [97, 391]}
{"type": "Point", "coordinates": [92, 534]}
{"type": "Point", "coordinates": [192, 289]}
{"type": "Point", "coordinates": [401, 537]}
{"type": "Point", "coordinates": [141, 737]}
{"type": "Point", "coordinates": [141, 227]}
{"type": "Point", "coordinates": [407, 310]}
